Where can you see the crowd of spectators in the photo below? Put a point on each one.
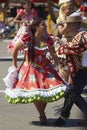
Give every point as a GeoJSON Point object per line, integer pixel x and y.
{"type": "Point", "coordinates": [8, 9]}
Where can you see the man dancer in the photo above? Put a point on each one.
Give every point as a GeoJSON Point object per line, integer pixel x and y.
{"type": "Point", "coordinates": [76, 57]}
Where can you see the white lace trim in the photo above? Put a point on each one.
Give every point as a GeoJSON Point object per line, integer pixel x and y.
{"type": "Point", "coordinates": [15, 93]}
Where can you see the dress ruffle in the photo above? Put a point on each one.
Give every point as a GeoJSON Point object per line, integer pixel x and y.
{"type": "Point", "coordinates": [15, 96]}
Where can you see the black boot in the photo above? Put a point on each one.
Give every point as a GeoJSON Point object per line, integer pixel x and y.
{"type": "Point", "coordinates": [65, 111]}
{"type": "Point", "coordinates": [59, 122]}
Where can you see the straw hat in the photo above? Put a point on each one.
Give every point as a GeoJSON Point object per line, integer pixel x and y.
{"type": "Point", "coordinates": [63, 1]}
{"type": "Point", "coordinates": [74, 17]}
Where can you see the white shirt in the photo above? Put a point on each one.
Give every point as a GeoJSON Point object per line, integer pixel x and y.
{"type": "Point", "coordinates": [84, 59]}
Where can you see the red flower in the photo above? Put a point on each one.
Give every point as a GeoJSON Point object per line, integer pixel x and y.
{"type": "Point", "coordinates": [83, 8]}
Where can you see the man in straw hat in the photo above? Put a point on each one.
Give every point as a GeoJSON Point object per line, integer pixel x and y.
{"type": "Point", "coordinates": [76, 58]}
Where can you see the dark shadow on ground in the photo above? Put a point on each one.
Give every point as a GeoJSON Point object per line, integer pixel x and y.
{"type": "Point", "coordinates": [69, 123]}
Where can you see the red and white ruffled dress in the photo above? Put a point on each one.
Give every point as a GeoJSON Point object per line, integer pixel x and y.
{"type": "Point", "coordinates": [36, 82]}
{"type": "Point", "coordinates": [23, 32]}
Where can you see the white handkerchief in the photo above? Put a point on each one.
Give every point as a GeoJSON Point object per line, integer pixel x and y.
{"type": "Point", "coordinates": [11, 77]}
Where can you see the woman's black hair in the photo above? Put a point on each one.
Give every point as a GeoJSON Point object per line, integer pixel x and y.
{"type": "Point", "coordinates": [25, 2]}
{"type": "Point", "coordinates": [31, 53]}
{"type": "Point", "coordinates": [35, 23]}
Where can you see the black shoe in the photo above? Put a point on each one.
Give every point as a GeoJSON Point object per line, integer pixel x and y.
{"type": "Point", "coordinates": [43, 123]}
{"type": "Point", "coordinates": [59, 122]}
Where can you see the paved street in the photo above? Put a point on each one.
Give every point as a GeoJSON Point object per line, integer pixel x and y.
{"type": "Point", "coordinates": [25, 116]}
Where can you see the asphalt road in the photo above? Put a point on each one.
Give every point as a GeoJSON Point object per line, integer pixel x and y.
{"type": "Point", "coordinates": [25, 116]}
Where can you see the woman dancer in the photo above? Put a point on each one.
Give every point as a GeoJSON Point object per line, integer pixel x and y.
{"type": "Point", "coordinates": [37, 80]}
{"type": "Point", "coordinates": [24, 18]}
